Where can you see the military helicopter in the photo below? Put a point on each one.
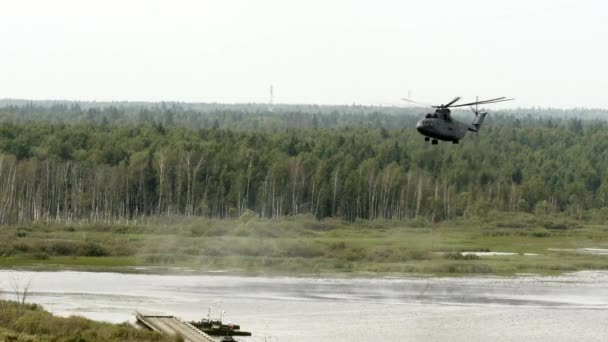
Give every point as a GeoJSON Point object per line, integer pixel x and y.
{"type": "Point", "coordinates": [441, 126]}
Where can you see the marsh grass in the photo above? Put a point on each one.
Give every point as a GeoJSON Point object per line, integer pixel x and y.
{"type": "Point", "coordinates": [302, 244]}
{"type": "Point", "coordinates": [29, 322]}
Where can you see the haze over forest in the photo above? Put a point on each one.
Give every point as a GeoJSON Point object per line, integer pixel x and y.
{"type": "Point", "coordinates": [325, 141]}
{"type": "Point", "coordinates": [115, 162]}
{"type": "Point", "coordinates": [544, 53]}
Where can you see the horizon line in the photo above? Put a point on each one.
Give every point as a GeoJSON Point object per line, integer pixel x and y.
{"type": "Point", "coordinates": [353, 104]}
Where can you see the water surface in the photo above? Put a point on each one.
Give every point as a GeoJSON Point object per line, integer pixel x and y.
{"type": "Point", "coordinates": [531, 308]}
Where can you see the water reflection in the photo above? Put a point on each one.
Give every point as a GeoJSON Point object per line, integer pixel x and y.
{"type": "Point", "coordinates": [316, 309]}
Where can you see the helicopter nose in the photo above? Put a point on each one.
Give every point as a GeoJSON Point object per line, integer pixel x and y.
{"type": "Point", "coordinates": [420, 126]}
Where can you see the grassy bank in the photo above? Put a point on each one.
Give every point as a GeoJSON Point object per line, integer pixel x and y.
{"type": "Point", "coordinates": [302, 245]}
{"type": "Point", "coordinates": [30, 323]}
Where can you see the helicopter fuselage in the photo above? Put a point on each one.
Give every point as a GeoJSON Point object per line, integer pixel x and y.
{"type": "Point", "coordinates": [442, 127]}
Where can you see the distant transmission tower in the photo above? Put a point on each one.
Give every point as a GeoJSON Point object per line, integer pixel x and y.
{"type": "Point", "coordinates": [271, 99]}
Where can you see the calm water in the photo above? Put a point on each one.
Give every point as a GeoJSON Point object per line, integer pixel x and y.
{"type": "Point", "coordinates": [565, 308]}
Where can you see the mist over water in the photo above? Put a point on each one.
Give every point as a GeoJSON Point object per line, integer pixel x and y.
{"type": "Point", "coordinates": [564, 308]}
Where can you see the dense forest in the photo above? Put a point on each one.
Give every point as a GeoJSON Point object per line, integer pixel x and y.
{"type": "Point", "coordinates": [120, 162]}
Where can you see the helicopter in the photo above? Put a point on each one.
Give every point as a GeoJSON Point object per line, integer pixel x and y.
{"type": "Point", "coordinates": [441, 126]}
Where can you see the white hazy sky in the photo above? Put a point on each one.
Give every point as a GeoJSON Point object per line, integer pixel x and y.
{"type": "Point", "coordinates": [543, 52]}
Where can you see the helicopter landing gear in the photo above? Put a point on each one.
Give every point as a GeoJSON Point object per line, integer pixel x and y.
{"type": "Point", "coordinates": [434, 142]}
{"type": "Point", "coordinates": [427, 138]}
{"type": "Point", "coordinates": [454, 141]}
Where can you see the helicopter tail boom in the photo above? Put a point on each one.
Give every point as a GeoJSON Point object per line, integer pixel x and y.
{"type": "Point", "coordinates": [478, 122]}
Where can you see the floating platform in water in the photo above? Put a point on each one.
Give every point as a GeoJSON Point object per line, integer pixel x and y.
{"type": "Point", "coordinates": [217, 328]}
{"type": "Point", "coordinates": [174, 326]}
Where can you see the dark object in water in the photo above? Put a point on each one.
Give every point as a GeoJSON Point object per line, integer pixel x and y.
{"type": "Point", "coordinates": [215, 327]}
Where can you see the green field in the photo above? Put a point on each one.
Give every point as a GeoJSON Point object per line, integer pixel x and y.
{"type": "Point", "coordinates": [303, 245]}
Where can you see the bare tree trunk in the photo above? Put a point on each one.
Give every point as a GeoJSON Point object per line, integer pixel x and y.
{"type": "Point", "coordinates": [192, 193]}
{"type": "Point", "coordinates": [312, 198]}
{"type": "Point", "coordinates": [512, 195]}
{"type": "Point", "coordinates": [333, 206]}
{"type": "Point", "coordinates": [161, 180]}
{"type": "Point", "coordinates": [294, 194]}
{"type": "Point", "coordinates": [248, 184]}
{"type": "Point", "coordinates": [435, 199]}
{"type": "Point", "coordinates": [418, 197]}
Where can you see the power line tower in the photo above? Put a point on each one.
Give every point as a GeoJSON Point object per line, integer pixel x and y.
{"type": "Point", "coordinates": [271, 99]}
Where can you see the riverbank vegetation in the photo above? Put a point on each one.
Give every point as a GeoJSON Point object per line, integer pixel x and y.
{"type": "Point", "coordinates": [305, 245]}
{"type": "Point", "coordinates": [22, 322]}
{"type": "Point", "coordinates": [298, 189]}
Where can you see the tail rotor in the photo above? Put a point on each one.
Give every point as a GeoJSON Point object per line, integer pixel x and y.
{"type": "Point", "coordinates": [479, 117]}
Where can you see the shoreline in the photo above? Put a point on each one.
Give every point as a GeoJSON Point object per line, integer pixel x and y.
{"type": "Point", "coordinates": [301, 247]}
{"type": "Point", "coordinates": [187, 271]}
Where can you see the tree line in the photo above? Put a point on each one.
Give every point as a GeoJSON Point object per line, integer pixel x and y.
{"type": "Point", "coordinates": [83, 172]}
{"type": "Point", "coordinates": [261, 117]}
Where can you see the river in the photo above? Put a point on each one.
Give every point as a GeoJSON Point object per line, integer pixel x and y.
{"type": "Point", "coordinates": [293, 309]}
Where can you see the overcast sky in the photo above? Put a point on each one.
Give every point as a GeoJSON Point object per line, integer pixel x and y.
{"type": "Point", "coordinates": [543, 52]}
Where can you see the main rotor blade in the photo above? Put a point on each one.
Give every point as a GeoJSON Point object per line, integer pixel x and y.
{"type": "Point", "coordinates": [496, 100]}
{"type": "Point", "coordinates": [452, 102]}
{"type": "Point", "coordinates": [414, 102]}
